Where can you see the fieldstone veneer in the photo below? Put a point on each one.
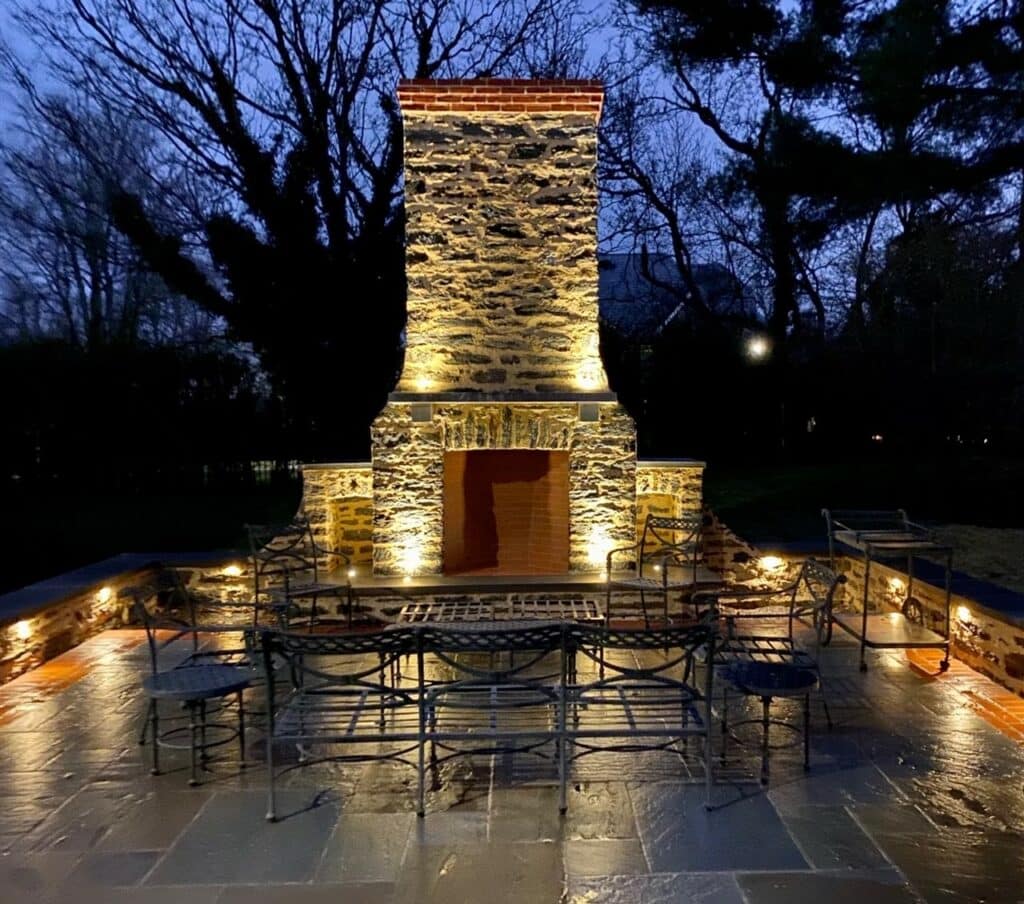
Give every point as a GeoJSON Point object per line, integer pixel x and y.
{"type": "Point", "coordinates": [409, 471]}
{"type": "Point", "coordinates": [501, 235]}
{"type": "Point", "coordinates": [502, 333]}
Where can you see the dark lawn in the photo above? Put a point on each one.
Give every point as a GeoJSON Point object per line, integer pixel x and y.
{"type": "Point", "coordinates": [50, 532]}
{"type": "Point", "coordinates": [772, 502]}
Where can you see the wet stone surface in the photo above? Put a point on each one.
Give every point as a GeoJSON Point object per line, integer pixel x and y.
{"type": "Point", "coordinates": [910, 797]}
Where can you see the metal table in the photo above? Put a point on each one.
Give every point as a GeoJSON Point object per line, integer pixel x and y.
{"type": "Point", "coordinates": [880, 536]}
{"type": "Point", "coordinates": [768, 680]}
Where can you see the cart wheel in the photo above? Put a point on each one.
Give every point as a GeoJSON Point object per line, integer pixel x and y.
{"type": "Point", "coordinates": [913, 611]}
{"type": "Point", "coordinates": [823, 626]}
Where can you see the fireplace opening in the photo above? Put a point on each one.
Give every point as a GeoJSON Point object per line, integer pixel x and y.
{"type": "Point", "coordinates": [506, 511]}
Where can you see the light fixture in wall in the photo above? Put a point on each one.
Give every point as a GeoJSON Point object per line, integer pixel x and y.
{"type": "Point", "coordinates": [351, 573]}
{"type": "Point", "coordinates": [22, 629]}
{"type": "Point", "coordinates": [963, 613]}
{"type": "Point", "coordinates": [896, 585]}
{"type": "Point", "coordinates": [423, 384]}
{"type": "Point", "coordinates": [232, 571]}
{"type": "Point", "coordinates": [104, 595]}
{"type": "Point", "coordinates": [421, 412]}
{"type": "Point", "coordinates": [772, 563]}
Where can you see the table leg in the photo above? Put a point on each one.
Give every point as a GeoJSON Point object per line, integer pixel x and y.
{"type": "Point", "coordinates": [807, 732]}
{"type": "Point", "coordinates": [765, 708]}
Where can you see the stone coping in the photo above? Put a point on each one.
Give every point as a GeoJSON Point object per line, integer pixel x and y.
{"type": "Point", "coordinates": [475, 397]}
{"type": "Point", "coordinates": [336, 466]}
{"type": "Point", "coordinates": [33, 599]}
{"type": "Point", "coordinates": [670, 463]}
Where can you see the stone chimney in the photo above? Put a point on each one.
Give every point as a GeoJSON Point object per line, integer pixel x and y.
{"type": "Point", "coordinates": [501, 258]}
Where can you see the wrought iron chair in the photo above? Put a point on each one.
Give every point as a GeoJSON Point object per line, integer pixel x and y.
{"type": "Point", "coordinates": [808, 599]}
{"type": "Point", "coordinates": [666, 547]}
{"type": "Point", "coordinates": [192, 682]}
{"type": "Point", "coordinates": [288, 565]}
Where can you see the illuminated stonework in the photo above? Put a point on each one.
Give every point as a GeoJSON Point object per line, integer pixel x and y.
{"type": "Point", "coordinates": [502, 349]}
{"type": "Point", "coordinates": [409, 469]}
{"type": "Point", "coordinates": [501, 236]}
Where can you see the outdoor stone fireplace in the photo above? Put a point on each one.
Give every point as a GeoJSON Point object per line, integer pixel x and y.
{"type": "Point", "coordinates": [502, 450]}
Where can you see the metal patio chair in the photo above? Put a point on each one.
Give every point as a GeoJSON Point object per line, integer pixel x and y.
{"type": "Point", "coordinates": [807, 599]}
{"type": "Point", "coordinates": [193, 682]}
{"type": "Point", "coordinates": [288, 565]}
{"type": "Point", "coordinates": [666, 547]}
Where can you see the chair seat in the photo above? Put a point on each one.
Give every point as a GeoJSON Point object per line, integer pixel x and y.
{"type": "Point", "coordinates": [199, 682]}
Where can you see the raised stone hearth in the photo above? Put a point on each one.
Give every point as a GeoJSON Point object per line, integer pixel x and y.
{"type": "Point", "coordinates": [502, 353]}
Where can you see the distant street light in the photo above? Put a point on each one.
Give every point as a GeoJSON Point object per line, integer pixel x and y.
{"type": "Point", "coordinates": [757, 347]}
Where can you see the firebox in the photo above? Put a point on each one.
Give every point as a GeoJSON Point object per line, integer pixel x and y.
{"type": "Point", "coordinates": [506, 512]}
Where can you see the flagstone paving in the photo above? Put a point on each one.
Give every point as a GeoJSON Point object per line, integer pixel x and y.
{"type": "Point", "coordinates": [916, 794]}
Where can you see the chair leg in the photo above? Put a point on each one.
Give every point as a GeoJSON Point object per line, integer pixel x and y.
{"type": "Point", "coordinates": [766, 703]}
{"type": "Point", "coordinates": [725, 721]}
{"type": "Point", "coordinates": [241, 730]}
{"type": "Point", "coordinates": [193, 733]}
{"type": "Point", "coordinates": [154, 716]}
{"type": "Point", "coordinates": [824, 702]}
{"type": "Point", "coordinates": [145, 723]}
{"type": "Point", "coordinates": [807, 732]}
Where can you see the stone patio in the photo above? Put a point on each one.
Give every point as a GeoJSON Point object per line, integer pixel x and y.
{"type": "Point", "coordinates": [912, 796]}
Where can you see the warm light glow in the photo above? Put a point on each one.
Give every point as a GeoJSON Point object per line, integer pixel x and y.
{"type": "Point", "coordinates": [423, 384]}
{"type": "Point", "coordinates": [877, 437]}
{"type": "Point", "coordinates": [410, 558]}
{"type": "Point", "coordinates": [351, 572]}
{"type": "Point", "coordinates": [23, 630]}
{"type": "Point", "coordinates": [963, 613]}
{"type": "Point", "coordinates": [758, 347]}
{"type": "Point", "coordinates": [232, 571]}
{"type": "Point", "coordinates": [599, 544]}
{"type": "Point", "coordinates": [104, 595]}
{"type": "Point", "coordinates": [407, 579]}
{"type": "Point", "coordinates": [771, 563]}
{"type": "Point", "coordinates": [590, 375]}
{"type": "Point", "coordinates": [896, 585]}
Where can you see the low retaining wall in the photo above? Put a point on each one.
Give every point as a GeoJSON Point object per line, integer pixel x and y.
{"type": "Point", "coordinates": [986, 640]}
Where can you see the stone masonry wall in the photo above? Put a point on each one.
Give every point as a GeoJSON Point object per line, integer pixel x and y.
{"type": "Point", "coordinates": [338, 500]}
{"type": "Point", "coordinates": [409, 475]}
{"type": "Point", "coordinates": [30, 641]}
{"type": "Point", "coordinates": [501, 231]}
{"type": "Point", "coordinates": [667, 488]}
{"type": "Point", "coordinates": [984, 639]}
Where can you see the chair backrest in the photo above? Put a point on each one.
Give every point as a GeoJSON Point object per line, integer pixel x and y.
{"type": "Point", "coordinates": [281, 550]}
{"type": "Point", "coordinates": [140, 594]}
{"type": "Point", "coordinates": [671, 541]}
{"type": "Point", "coordinates": [813, 595]}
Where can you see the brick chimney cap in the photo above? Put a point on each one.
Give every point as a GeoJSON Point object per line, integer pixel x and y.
{"type": "Point", "coordinates": [501, 95]}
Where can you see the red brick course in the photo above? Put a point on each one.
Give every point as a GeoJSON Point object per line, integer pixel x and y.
{"type": "Point", "coordinates": [501, 95]}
